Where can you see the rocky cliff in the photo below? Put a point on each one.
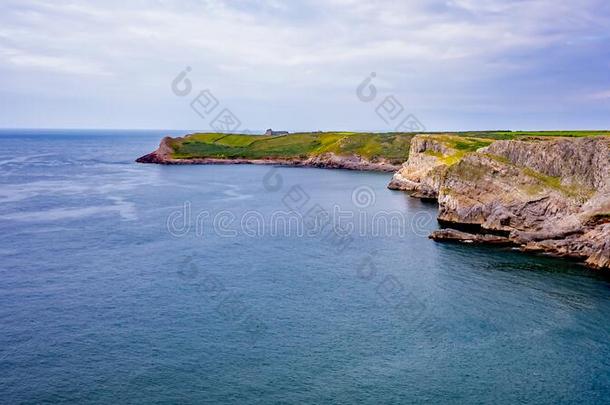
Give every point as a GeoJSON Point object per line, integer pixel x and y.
{"type": "Point", "coordinates": [422, 174]}
{"type": "Point", "coordinates": [162, 155]}
{"type": "Point", "coordinates": [548, 195]}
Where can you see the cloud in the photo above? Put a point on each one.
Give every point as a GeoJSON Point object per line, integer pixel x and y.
{"type": "Point", "coordinates": [335, 32]}
{"type": "Point", "coordinates": [59, 64]}
{"type": "Point", "coordinates": [601, 95]}
{"type": "Point", "coordinates": [272, 51]}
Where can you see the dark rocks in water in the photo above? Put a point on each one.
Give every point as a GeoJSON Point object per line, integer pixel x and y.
{"type": "Point", "coordinates": [453, 235]}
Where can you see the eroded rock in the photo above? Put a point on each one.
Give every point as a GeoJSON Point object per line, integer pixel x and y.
{"type": "Point", "coordinates": [549, 195]}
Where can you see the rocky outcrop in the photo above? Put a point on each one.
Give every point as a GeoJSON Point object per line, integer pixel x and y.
{"type": "Point", "coordinates": [422, 174]}
{"type": "Point", "coordinates": [164, 155]}
{"type": "Point", "coordinates": [350, 162]}
{"type": "Point", "coordinates": [453, 235]}
{"type": "Point", "coordinates": [543, 195]}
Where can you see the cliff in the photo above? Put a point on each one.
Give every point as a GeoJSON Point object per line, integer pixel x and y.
{"type": "Point", "coordinates": [429, 158]}
{"type": "Point", "coordinates": [161, 155]}
{"type": "Point", "coordinates": [542, 194]}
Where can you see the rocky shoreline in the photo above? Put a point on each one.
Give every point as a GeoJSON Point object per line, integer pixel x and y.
{"type": "Point", "coordinates": [549, 196]}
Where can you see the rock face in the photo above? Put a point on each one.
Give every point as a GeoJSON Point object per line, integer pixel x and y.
{"type": "Point", "coordinates": [161, 155]}
{"type": "Point", "coordinates": [543, 195]}
{"type": "Point", "coordinates": [352, 162]}
{"type": "Point", "coordinates": [164, 155]}
{"type": "Point", "coordinates": [422, 174]}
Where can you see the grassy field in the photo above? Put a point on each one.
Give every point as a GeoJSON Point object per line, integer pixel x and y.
{"type": "Point", "coordinates": [393, 147]}
{"type": "Point", "coordinates": [508, 135]}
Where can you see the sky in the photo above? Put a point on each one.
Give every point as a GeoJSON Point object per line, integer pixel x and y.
{"type": "Point", "coordinates": [302, 64]}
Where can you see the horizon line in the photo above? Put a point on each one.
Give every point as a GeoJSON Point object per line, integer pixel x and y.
{"type": "Point", "coordinates": [301, 131]}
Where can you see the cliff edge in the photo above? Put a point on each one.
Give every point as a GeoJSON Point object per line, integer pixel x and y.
{"type": "Point", "coordinates": [162, 155]}
{"type": "Point", "coordinates": [542, 194]}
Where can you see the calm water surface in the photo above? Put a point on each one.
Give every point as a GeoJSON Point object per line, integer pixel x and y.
{"type": "Point", "coordinates": [101, 303]}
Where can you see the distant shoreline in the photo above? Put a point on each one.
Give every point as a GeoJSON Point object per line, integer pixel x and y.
{"type": "Point", "coordinates": [364, 152]}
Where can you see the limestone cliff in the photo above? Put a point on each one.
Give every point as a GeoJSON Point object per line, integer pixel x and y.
{"type": "Point", "coordinates": [429, 158]}
{"type": "Point", "coordinates": [547, 195]}
{"type": "Point", "coordinates": [421, 175]}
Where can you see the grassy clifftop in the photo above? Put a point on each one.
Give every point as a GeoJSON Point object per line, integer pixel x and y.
{"type": "Point", "coordinates": [391, 147]}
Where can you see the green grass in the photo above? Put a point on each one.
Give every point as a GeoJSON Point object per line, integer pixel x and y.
{"type": "Point", "coordinates": [459, 145]}
{"type": "Point", "coordinates": [509, 135]}
{"type": "Point", "coordinates": [467, 170]}
{"type": "Point", "coordinates": [497, 158]}
{"type": "Point", "coordinates": [575, 191]}
{"type": "Point", "coordinates": [393, 147]}
{"type": "Point", "coordinates": [549, 181]}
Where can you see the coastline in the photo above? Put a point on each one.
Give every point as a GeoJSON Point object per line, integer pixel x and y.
{"type": "Point", "coordinates": [163, 156]}
{"type": "Point", "coordinates": [547, 196]}
{"type": "Point", "coordinates": [347, 165]}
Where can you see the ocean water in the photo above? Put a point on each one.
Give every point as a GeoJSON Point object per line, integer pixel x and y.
{"type": "Point", "coordinates": [145, 284]}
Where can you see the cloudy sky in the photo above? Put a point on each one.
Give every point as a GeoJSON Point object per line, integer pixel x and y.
{"type": "Point", "coordinates": [296, 65]}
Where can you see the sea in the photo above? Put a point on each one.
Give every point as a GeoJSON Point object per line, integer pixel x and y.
{"type": "Point", "coordinates": [129, 283]}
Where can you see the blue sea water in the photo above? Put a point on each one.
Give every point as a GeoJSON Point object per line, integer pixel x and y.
{"type": "Point", "coordinates": [145, 284]}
